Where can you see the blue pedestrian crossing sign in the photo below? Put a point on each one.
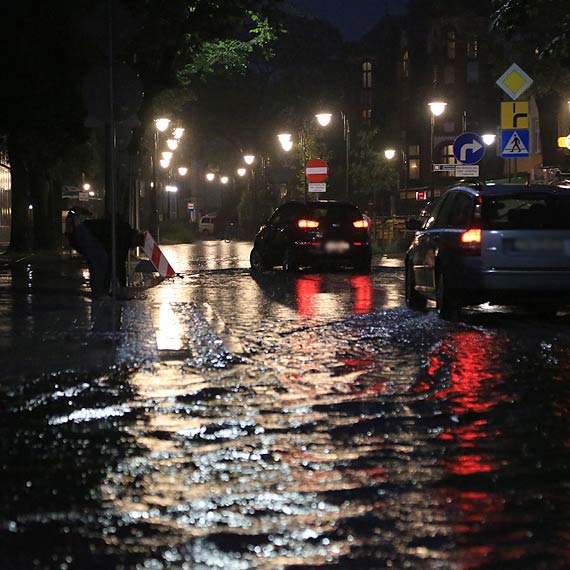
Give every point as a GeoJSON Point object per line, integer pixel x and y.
{"type": "Point", "coordinates": [515, 143]}
{"type": "Point", "coordinates": [468, 148]}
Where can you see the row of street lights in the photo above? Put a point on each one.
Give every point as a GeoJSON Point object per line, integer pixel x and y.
{"type": "Point", "coordinates": [172, 144]}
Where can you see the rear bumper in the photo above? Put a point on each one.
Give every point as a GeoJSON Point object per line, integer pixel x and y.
{"type": "Point", "coordinates": [512, 286]}
{"type": "Point", "coordinates": [311, 254]}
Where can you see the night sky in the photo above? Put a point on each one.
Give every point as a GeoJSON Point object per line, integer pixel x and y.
{"type": "Point", "coordinates": [353, 17]}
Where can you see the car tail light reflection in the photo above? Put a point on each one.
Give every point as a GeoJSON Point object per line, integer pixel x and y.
{"type": "Point", "coordinates": [360, 223]}
{"type": "Point", "coordinates": [308, 224]}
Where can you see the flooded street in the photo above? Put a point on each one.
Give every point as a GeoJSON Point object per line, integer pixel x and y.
{"type": "Point", "coordinates": [284, 421]}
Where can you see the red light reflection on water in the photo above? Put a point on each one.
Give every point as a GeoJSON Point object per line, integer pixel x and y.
{"type": "Point", "coordinates": [469, 365]}
{"type": "Point", "coordinates": [307, 287]}
{"type": "Point", "coordinates": [363, 293]}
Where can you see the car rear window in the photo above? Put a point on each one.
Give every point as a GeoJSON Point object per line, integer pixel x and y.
{"type": "Point", "coordinates": [334, 214]}
{"type": "Point", "coordinates": [526, 212]}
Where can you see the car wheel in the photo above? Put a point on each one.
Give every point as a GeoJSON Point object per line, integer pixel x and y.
{"type": "Point", "coordinates": [290, 263]}
{"type": "Point", "coordinates": [447, 302]}
{"type": "Point", "coordinates": [413, 299]}
{"type": "Point", "coordinates": [256, 260]}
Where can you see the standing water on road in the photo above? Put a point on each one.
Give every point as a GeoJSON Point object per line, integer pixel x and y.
{"type": "Point", "coordinates": [292, 421]}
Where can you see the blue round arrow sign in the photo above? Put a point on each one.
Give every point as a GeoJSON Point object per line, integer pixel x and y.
{"type": "Point", "coordinates": [468, 148]}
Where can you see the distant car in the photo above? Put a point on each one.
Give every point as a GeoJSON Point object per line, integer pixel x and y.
{"type": "Point", "coordinates": [310, 234]}
{"type": "Point", "coordinates": [207, 225]}
{"type": "Point", "coordinates": [503, 245]}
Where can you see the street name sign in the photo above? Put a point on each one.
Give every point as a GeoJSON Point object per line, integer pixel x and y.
{"type": "Point", "coordinates": [443, 167]}
{"type": "Point", "coordinates": [515, 143]}
{"type": "Point", "coordinates": [468, 148]}
{"type": "Point", "coordinates": [316, 170]}
{"type": "Point", "coordinates": [514, 82]}
{"type": "Point", "coordinates": [317, 186]}
{"type": "Point", "coordinates": [514, 115]}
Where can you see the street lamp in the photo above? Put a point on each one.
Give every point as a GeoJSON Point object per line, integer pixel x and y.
{"type": "Point", "coordinates": [241, 172]}
{"type": "Point", "coordinates": [249, 159]}
{"type": "Point", "coordinates": [324, 120]}
{"type": "Point", "coordinates": [169, 189]}
{"type": "Point", "coordinates": [210, 176]}
{"type": "Point", "coordinates": [160, 124]}
{"type": "Point", "coordinates": [172, 144]}
{"type": "Point", "coordinates": [489, 138]}
{"type": "Point", "coordinates": [224, 179]}
{"type": "Point", "coordinates": [285, 140]}
{"type": "Point", "coordinates": [437, 108]}
{"type": "Point", "coordinates": [390, 153]}
{"type": "Point", "coordinates": [178, 132]}
{"type": "Point", "coordinates": [182, 170]}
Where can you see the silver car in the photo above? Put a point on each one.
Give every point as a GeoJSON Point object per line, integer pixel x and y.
{"type": "Point", "coordinates": [497, 244]}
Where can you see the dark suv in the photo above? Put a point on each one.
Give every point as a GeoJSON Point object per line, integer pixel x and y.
{"type": "Point", "coordinates": [300, 234]}
{"type": "Point", "coordinates": [501, 244]}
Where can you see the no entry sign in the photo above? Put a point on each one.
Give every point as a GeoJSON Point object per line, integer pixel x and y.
{"type": "Point", "coordinates": [316, 170]}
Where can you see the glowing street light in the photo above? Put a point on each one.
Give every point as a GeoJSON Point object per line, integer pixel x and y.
{"type": "Point", "coordinates": [324, 118]}
{"type": "Point", "coordinates": [390, 153]}
{"type": "Point", "coordinates": [178, 132]}
{"type": "Point", "coordinates": [170, 188]}
{"type": "Point", "coordinates": [241, 172]}
{"type": "Point", "coordinates": [437, 108]}
{"type": "Point", "coordinates": [248, 158]}
{"type": "Point", "coordinates": [172, 144]}
{"type": "Point", "coordinates": [182, 170]}
{"type": "Point", "coordinates": [210, 176]}
{"type": "Point", "coordinates": [165, 163]}
{"type": "Point", "coordinates": [162, 124]}
{"type": "Point", "coordinates": [224, 179]}
{"type": "Point", "coordinates": [489, 138]}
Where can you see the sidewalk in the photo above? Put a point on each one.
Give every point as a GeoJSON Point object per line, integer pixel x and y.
{"type": "Point", "coordinates": [48, 317]}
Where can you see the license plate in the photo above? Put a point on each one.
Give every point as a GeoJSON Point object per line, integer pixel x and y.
{"type": "Point", "coordinates": [337, 246]}
{"type": "Point", "coordinates": [539, 245]}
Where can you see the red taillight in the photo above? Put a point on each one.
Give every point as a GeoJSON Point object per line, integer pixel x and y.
{"type": "Point", "coordinates": [471, 236]}
{"type": "Point", "coordinates": [308, 224]}
{"type": "Point", "coordinates": [471, 242]}
{"type": "Point", "coordinates": [360, 223]}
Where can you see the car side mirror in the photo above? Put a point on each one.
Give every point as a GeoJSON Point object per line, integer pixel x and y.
{"type": "Point", "coordinates": [414, 225]}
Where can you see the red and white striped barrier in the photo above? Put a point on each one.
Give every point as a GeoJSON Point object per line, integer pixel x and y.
{"type": "Point", "coordinates": [157, 257]}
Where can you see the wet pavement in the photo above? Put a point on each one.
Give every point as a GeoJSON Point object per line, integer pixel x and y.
{"type": "Point", "coordinates": [286, 421]}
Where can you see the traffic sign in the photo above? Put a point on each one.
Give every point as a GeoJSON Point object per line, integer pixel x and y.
{"type": "Point", "coordinates": [515, 143]}
{"type": "Point", "coordinates": [443, 167]}
{"type": "Point", "coordinates": [316, 170]}
{"type": "Point", "coordinates": [514, 82]}
{"type": "Point", "coordinates": [317, 186]}
{"type": "Point", "coordinates": [514, 115]}
{"type": "Point", "coordinates": [468, 148]}
{"type": "Point", "coordinates": [467, 170]}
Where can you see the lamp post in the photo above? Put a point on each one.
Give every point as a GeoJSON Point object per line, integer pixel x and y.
{"type": "Point", "coordinates": [437, 108]}
{"type": "Point", "coordinates": [324, 120]}
{"type": "Point", "coordinates": [160, 125]}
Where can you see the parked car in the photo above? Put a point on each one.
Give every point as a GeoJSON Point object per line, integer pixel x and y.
{"type": "Point", "coordinates": [207, 225]}
{"type": "Point", "coordinates": [310, 234]}
{"type": "Point", "coordinates": [503, 244]}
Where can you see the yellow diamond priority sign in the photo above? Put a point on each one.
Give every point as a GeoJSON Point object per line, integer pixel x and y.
{"type": "Point", "coordinates": [514, 82]}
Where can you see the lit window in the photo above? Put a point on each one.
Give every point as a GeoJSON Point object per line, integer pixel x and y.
{"type": "Point", "coordinates": [450, 45]}
{"type": "Point", "coordinates": [367, 75]}
{"type": "Point", "coordinates": [406, 63]}
{"type": "Point", "coordinates": [414, 168]}
{"type": "Point", "coordinates": [473, 48]}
